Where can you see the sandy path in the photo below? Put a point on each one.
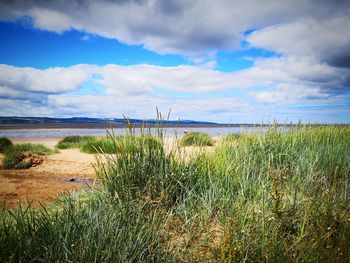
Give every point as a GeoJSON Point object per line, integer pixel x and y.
{"type": "Point", "coordinates": [47, 181]}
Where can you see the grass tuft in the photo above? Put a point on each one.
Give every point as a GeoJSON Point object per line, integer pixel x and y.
{"type": "Point", "coordinates": [197, 139]}
{"type": "Point", "coordinates": [22, 156]}
{"type": "Point", "coordinates": [74, 141]}
{"type": "Point", "coordinates": [5, 143]}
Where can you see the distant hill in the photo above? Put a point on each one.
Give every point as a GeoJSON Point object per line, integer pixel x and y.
{"type": "Point", "coordinates": [83, 120]}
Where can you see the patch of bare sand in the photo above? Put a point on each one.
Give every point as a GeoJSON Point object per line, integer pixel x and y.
{"type": "Point", "coordinates": [45, 182]}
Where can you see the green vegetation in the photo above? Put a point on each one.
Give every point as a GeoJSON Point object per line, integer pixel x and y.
{"type": "Point", "coordinates": [4, 144]}
{"type": "Point", "coordinates": [22, 156]}
{"type": "Point", "coordinates": [278, 197]}
{"type": "Point", "coordinates": [197, 139]}
{"type": "Point", "coordinates": [110, 144]}
{"type": "Point", "coordinates": [232, 137]}
{"type": "Point", "coordinates": [74, 141]}
{"type": "Point", "coordinates": [105, 145]}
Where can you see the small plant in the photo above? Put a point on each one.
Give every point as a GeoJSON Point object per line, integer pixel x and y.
{"type": "Point", "coordinates": [75, 141]}
{"type": "Point", "coordinates": [23, 156]}
{"type": "Point", "coordinates": [197, 139]}
{"type": "Point", "coordinates": [4, 144]}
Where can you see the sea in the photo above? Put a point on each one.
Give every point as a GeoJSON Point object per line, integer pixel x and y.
{"type": "Point", "coordinates": [168, 132]}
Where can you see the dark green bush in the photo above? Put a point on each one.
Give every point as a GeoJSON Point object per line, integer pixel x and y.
{"type": "Point", "coordinates": [4, 144]}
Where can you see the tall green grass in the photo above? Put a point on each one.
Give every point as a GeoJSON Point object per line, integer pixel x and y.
{"type": "Point", "coordinates": [115, 144]}
{"type": "Point", "coordinates": [282, 196]}
{"type": "Point", "coordinates": [87, 229]}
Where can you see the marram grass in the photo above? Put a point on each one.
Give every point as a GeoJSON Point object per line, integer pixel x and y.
{"type": "Point", "coordinates": [19, 156]}
{"type": "Point", "coordinates": [282, 196]}
{"type": "Point", "coordinates": [197, 139]}
{"type": "Point", "coordinates": [74, 141]}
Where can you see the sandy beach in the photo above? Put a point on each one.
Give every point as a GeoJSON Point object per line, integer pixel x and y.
{"type": "Point", "coordinates": [45, 182]}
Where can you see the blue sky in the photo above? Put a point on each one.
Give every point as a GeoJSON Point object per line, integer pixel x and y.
{"type": "Point", "coordinates": [223, 62]}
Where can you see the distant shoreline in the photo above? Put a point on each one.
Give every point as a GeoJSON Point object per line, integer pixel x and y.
{"type": "Point", "coordinates": [108, 126]}
{"type": "Point", "coordinates": [123, 126]}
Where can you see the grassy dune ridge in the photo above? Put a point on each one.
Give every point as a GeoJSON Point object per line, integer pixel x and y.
{"type": "Point", "coordinates": [278, 197]}
{"type": "Point", "coordinates": [22, 156]}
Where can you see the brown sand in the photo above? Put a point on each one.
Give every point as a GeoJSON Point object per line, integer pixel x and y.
{"type": "Point", "coordinates": [45, 182]}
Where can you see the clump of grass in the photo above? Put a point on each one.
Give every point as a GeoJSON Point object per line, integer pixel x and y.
{"type": "Point", "coordinates": [22, 156]}
{"type": "Point", "coordinates": [75, 141]}
{"type": "Point", "coordinates": [102, 145]}
{"type": "Point", "coordinates": [4, 144]}
{"type": "Point", "coordinates": [138, 167]}
{"type": "Point", "coordinates": [197, 139]}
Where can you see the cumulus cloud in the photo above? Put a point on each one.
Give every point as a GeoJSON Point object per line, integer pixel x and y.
{"type": "Point", "coordinates": [311, 38]}
{"type": "Point", "coordinates": [134, 90]}
{"type": "Point", "coordinates": [52, 80]}
{"type": "Point", "coordinates": [189, 27]}
{"type": "Point", "coordinates": [323, 40]}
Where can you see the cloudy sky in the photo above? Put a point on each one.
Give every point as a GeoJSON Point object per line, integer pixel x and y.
{"type": "Point", "coordinates": [223, 61]}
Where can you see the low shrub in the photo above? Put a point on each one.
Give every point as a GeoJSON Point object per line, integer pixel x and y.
{"type": "Point", "coordinates": [22, 156]}
{"type": "Point", "coordinates": [197, 139]}
{"type": "Point", "coordinates": [75, 141]}
{"type": "Point", "coordinates": [4, 144]}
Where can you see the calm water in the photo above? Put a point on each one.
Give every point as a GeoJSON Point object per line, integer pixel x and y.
{"type": "Point", "coordinates": [53, 133]}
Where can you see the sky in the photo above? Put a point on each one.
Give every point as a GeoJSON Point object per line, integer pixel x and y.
{"type": "Point", "coordinates": [226, 61]}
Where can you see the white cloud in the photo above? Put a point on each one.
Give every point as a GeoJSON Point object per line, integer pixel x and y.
{"type": "Point", "coordinates": [190, 27]}
{"type": "Point", "coordinates": [116, 79]}
{"type": "Point", "coordinates": [52, 80]}
{"type": "Point", "coordinates": [134, 90]}
{"type": "Point", "coordinates": [311, 36]}
{"type": "Point", "coordinates": [324, 40]}
{"type": "Point", "coordinates": [291, 94]}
